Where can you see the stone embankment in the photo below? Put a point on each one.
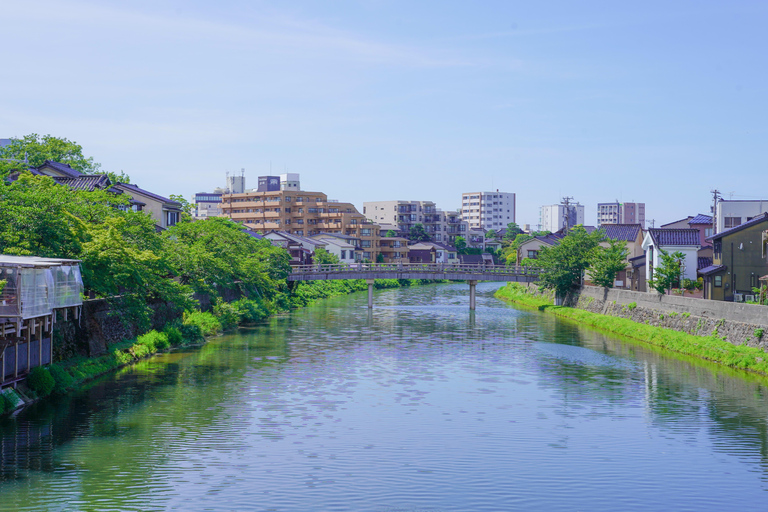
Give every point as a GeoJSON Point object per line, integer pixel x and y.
{"type": "Point", "coordinates": [734, 322]}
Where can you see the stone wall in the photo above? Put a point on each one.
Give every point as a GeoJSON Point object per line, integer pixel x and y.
{"type": "Point", "coordinates": [735, 322]}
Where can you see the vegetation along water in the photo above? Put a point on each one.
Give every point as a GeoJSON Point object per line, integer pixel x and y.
{"type": "Point", "coordinates": [418, 404]}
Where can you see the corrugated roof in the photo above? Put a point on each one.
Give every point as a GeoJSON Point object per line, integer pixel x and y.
{"type": "Point", "coordinates": [756, 220]}
{"type": "Point", "coordinates": [701, 219]}
{"type": "Point", "coordinates": [625, 232]}
{"type": "Point", "coordinates": [675, 236]}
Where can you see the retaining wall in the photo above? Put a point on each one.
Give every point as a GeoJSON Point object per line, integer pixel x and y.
{"type": "Point", "coordinates": [735, 322]}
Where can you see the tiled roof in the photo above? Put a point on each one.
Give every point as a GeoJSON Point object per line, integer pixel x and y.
{"type": "Point", "coordinates": [63, 168]}
{"type": "Point", "coordinates": [625, 232]}
{"type": "Point", "coordinates": [701, 219]}
{"type": "Point", "coordinates": [712, 269]}
{"type": "Point", "coordinates": [703, 262]}
{"type": "Point", "coordinates": [134, 188]}
{"type": "Point", "coordinates": [686, 220]}
{"type": "Point", "coordinates": [675, 236]}
{"type": "Point", "coordinates": [87, 182]}
{"type": "Point", "coordinates": [756, 220]}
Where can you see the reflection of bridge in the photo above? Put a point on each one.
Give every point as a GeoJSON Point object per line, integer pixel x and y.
{"type": "Point", "coordinates": [371, 271]}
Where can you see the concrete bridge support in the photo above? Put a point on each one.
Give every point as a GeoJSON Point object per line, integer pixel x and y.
{"type": "Point", "coordinates": [472, 293]}
{"type": "Point", "coordinates": [369, 282]}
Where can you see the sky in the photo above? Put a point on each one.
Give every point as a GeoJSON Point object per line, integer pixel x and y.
{"type": "Point", "coordinates": [372, 100]}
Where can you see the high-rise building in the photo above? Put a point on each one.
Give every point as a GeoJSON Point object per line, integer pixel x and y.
{"type": "Point", "coordinates": [553, 217]}
{"type": "Point", "coordinates": [488, 210]}
{"type": "Point", "coordinates": [300, 213]}
{"type": "Point", "coordinates": [621, 213]}
{"type": "Point", "coordinates": [441, 226]}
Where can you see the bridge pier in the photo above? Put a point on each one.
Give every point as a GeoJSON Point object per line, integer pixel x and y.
{"type": "Point", "coordinates": [369, 282]}
{"type": "Point", "coordinates": [472, 289]}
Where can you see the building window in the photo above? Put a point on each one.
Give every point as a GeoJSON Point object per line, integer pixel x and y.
{"type": "Point", "coordinates": [732, 222]}
{"type": "Point", "coordinates": [171, 218]}
{"type": "Point", "coordinates": [718, 281]}
{"type": "Point", "coordinates": [343, 255]}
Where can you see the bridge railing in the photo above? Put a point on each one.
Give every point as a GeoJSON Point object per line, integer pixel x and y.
{"type": "Point", "coordinates": [414, 267]}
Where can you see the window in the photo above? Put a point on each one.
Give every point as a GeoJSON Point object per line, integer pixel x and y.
{"type": "Point", "coordinates": [171, 218]}
{"type": "Point", "coordinates": [718, 281]}
{"type": "Point", "coordinates": [365, 243]}
{"type": "Point", "coordinates": [732, 222]}
{"type": "Point", "coordinates": [533, 254]}
{"type": "Point", "coordinates": [343, 255]}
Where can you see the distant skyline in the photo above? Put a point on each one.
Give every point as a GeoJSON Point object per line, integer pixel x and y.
{"type": "Point", "coordinates": [655, 102]}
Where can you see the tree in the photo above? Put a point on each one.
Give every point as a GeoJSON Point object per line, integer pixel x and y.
{"type": "Point", "coordinates": [512, 231]}
{"type": "Point", "coordinates": [491, 233]}
{"type": "Point", "coordinates": [390, 234]}
{"type": "Point", "coordinates": [33, 150]}
{"type": "Point", "coordinates": [668, 273]}
{"type": "Point", "coordinates": [324, 257]}
{"type": "Point", "coordinates": [608, 262]}
{"type": "Point", "coordinates": [460, 243]}
{"type": "Point", "coordinates": [563, 265]}
{"type": "Point", "coordinates": [186, 206]}
{"type": "Point", "coordinates": [419, 234]}
{"type": "Point", "coordinates": [379, 259]}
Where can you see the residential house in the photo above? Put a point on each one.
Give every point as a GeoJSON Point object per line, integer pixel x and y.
{"type": "Point", "coordinates": [530, 248]}
{"type": "Point", "coordinates": [345, 247]}
{"type": "Point", "coordinates": [422, 253]}
{"type": "Point", "coordinates": [442, 253]}
{"type": "Point", "coordinates": [678, 224]}
{"type": "Point", "coordinates": [164, 211]}
{"type": "Point", "coordinates": [740, 259]}
{"type": "Point", "coordinates": [632, 236]}
{"type": "Point", "coordinates": [300, 248]}
{"type": "Point", "coordinates": [702, 223]}
{"type": "Point", "coordinates": [670, 241]}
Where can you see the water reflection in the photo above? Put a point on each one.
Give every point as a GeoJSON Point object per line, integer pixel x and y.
{"type": "Point", "coordinates": [418, 403]}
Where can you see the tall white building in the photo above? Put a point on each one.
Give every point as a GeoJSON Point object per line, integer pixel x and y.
{"type": "Point", "coordinates": [553, 216]}
{"type": "Point", "coordinates": [488, 210]}
{"type": "Point", "coordinates": [732, 213]}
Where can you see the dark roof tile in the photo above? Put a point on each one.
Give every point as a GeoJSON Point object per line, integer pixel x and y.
{"type": "Point", "coordinates": [675, 236]}
{"type": "Point", "coordinates": [756, 220]}
{"type": "Point", "coordinates": [625, 232]}
{"type": "Point", "coordinates": [701, 219]}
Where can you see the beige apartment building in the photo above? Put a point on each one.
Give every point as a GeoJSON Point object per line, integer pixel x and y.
{"type": "Point", "coordinates": [301, 213]}
{"type": "Point", "coordinates": [441, 226]}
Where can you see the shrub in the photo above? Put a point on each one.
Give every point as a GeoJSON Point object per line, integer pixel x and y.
{"type": "Point", "coordinates": [759, 333]}
{"type": "Point", "coordinates": [250, 310]}
{"type": "Point", "coordinates": [40, 381]}
{"type": "Point", "coordinates": [686, 314]}
{"type": "Point", "coordinates": [191, 333]}
{"type": "Point", "coordinates": [631, 306]}
{"type": "Point", "coordinates": [207, 322]}
{"type": "Point", "coordinates": [63, 380]}
{"type": "Point", "coordinates": [227, 314]}
{"type": "Point", "coordinates": [174, 335]}
{"type": "Point", "coordinates": [5, 404]}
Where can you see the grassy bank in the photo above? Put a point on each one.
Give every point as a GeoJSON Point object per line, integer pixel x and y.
{"type": "Point", "coordinates": [192, 328]}
{"type": "Point", "coordinates": [711, 348]}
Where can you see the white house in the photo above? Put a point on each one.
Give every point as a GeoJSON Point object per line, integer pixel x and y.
{"type": "Point", "coordinates": [346, 248]}
{"type": "Point", "coordinates": [685, 241]}
{"type": "Point", "coordinates": [443, 253]}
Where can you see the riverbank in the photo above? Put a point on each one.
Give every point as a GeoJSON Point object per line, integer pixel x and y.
{"type": "Point", "coordinates": [192, 328]}
{"type": "Point", "coordinates": [710, 347]}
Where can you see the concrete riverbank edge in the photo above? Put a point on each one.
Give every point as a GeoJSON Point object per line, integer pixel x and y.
{"type": "Point", "coordinates": [125, 352]}
{"type": "Point", "coordinates": [668, 329]}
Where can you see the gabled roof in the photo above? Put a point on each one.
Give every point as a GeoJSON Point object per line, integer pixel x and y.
{"type": "Point", "coordinates": [685, 220]}
{"type": "Point", "coordinates": [701, 219]}
{"type": "Point", "coordinates": [755, 220]}
{"type": "Point", "coordinates": [430, 245]}
{"type": "Point", "coordinates": [625, 232]}
{"type": "Point", "coordinates": [297, 239]}
{"type": "Point", "coordinates": [550, 239]}
{"type": "Point", "coordinates": [62, 168]}
{"type": "Point", "coordinates": [88, 182]}
{"type": "Point", "coordinates": [129, 187]}
{"type": "Point", "coordinates": [675, 236]}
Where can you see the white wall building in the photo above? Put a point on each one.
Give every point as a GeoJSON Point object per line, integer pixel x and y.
{"type": "Point", "coordinates": [671, 240]}
{"type": "Point", "coordinates": [442, 227]}
{"type": "Point", "coordinates": [553, 217]}
{"type": "Point", "coordinates": [488, 210]}
{"type": "Point", "coordinates": [734, 213]}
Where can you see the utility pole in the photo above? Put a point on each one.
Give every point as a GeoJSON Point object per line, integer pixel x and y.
{"type": "Point", "coordinates": [566, 202]}
{"type": "Point", "coordinates": [715, 197]}
{"type": "Point", "coordinates": [652, 222]}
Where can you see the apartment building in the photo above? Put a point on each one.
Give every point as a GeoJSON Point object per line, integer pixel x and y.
{"type": "Point", "coordinates": [621, 213]}
{"type": "Point", "coordinates": [403, 215]}
{"type": "Point", "coordinates": [207, 204]}
{"type": "Point", "coordinates": [553, 216]}
{"type": "Point", "coordinates": [732, 213]}
{"type": "Point", "coordinates": [488, 210]}
{"type": "Point", "coordinates": [300, 213]}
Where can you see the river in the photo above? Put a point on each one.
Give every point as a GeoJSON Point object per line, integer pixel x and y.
{"type": "Point", "coordinates": [419, 405]}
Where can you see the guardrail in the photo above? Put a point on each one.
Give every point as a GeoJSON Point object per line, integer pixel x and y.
{"type": "Point", "coordinates": [415, 267]}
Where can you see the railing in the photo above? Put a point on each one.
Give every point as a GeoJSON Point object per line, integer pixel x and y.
{"type": "Point", "coordinates": [414, 267]}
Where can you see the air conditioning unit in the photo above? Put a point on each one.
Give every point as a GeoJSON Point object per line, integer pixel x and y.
{"type": "Point", "coordinates": [738, 297]}
{"type": "Point", "coordinates": [749, 298]}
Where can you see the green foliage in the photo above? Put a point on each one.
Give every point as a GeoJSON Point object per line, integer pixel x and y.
{"type": "Point", "coordinates": [207, 322]}
{"type": "Point", "coordinates": [227, 314]}
{"type": "Point", "coordinates": [250, 311]}
{"type": "Point", "coordinates": [186, 207]}
{"type": "Point", "coordinates": [390, 234]}
{"type": "Point", "coordinates": [154, 341]}
{"type": "Point", "coordinates": [323, 257]}
{"type": "Point", "coordinates": [668, 273]}
{"type": "Point", "coordinates": [759, 333]}
{"type": "Point", "coordinates": [631, 306]}
{"type": "Point", "coordinates": [379, 258]}
{"type": "Point", "coordinates": [191, 333]}
{"type": "Point", "coordinates": [418, 233]}
{"type": "Point", "coordinates": [40, 381]}
{"type": "Point", "coordinates": [174, 335]}
{"type": "Point", "coordinates": [686, 314]}
{"type": "Point", "coordinates": [607, 262]}
{"type": "Point", "coordinates": [460, 244]}
{"type": "Point", "coordinates": [563, 265]}
{"type": "Point", "coordinates": [491, 233]}
{"type": "Point", "coordinates": [512, 231]}
{"type": "Point", "coordinates": [62, 379]}
{"type": "Point", "coordinates": [36, 149]}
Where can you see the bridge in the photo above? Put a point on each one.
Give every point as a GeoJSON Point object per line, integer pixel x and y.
{"type": "Point", "coordinates": [371, 271]}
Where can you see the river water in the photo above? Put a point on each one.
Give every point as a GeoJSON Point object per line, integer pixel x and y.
{"type": "Point", "coordinates": [419, 405]}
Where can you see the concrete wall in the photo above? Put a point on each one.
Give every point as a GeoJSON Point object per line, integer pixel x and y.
{"type": "Point", "coordinates": [737, 322]}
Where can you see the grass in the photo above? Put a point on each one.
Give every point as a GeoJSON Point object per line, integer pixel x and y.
{"type": "Point", "coordinates": [711, 348]}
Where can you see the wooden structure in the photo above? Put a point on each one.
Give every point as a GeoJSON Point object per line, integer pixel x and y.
{"type": "Point", "coordinates": [33, 291]}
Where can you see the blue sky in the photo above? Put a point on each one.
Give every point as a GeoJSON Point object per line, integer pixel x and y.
{"type": "Point", "coordinates": [656, 102]}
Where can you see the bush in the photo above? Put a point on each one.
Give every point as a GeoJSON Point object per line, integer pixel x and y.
{"type": "Point", "coordinates": [63, 380]}
{"type": "Point", "coordinates": [5, 404]}
{"type": "Point", "coordinates": [207, 322]}
{"type": "Point", "coordinates": [227, 314]}
{"type": "Point", "coordinates": [174, 335]}
{"type": "Point", "coordinates": [250, 310]}
{"type": "Point", "coordinates": [40, 381]}
{"type": "Point", "coordinates": [191, 333]}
